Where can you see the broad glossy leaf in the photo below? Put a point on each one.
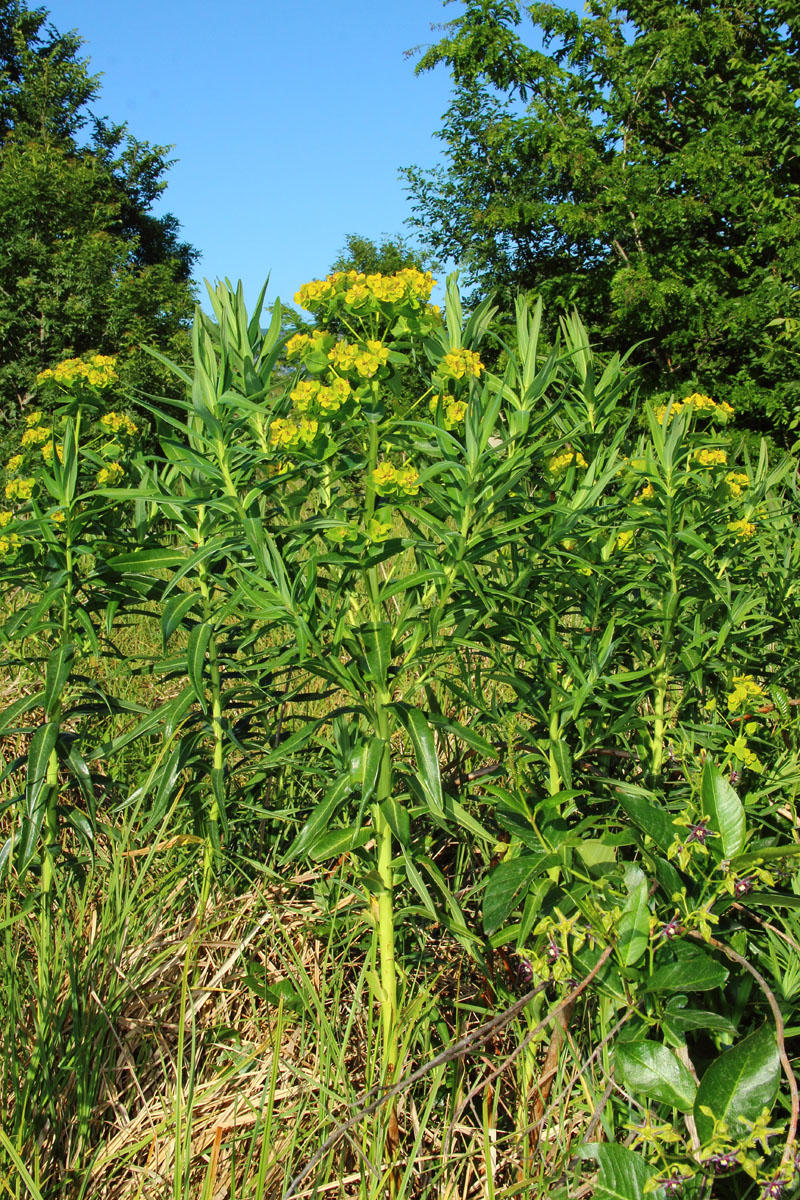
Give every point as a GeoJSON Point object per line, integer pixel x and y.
{"type": "Point", "coordinates": [739, 1084]}
{"type": "Point", "coordinates": [623, 1173]}
{"type": "Point", "coordinates": [723, 808]}
{"type": "Point", "coordinates": [633, 931]}
{"type": "Point", "coordinates": [651, 1070]}
{"type": "Point", "coordinates": [694, 973]}
{"type": "Point", "coordinates": [650, 818]}
{"type": "Point", "coordinates": [506, 888]}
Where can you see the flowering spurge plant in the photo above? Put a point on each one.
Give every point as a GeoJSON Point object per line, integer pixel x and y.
{"type": "Point", "coordinates": [365, 548]}
{"type": "Point", "coordinates": [60, 524]}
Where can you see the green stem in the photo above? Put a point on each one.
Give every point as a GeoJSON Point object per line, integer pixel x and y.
{"type": "Point", "coordinates": [554, 730]}
{"type": "Point", "coordinates": [49, 852]}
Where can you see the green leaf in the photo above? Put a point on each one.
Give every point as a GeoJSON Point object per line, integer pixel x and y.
{"type": "Point", "coordinates": [175, 609]}
{"type": "Point", "coordinates": [633, 931]}
{"type": "Point", "coordinates": [681, 1019]}
{"type": "Point", "coordinates": [421, 734]}
{"type": "Point", "coordinates": [23, 705]}
{"type": "Point", "coordinates": [59, 666]}
{"type": "Point", "coordinates": [160, 558]}
{"type": "Point", "coordinates": [339, 841]}
{"type": "Point", "coordinates": [397, 816]}
{"type": "Point", "coordinates": [650, 818]}
{"type": "Point", "coordinates": [695, 973]}
{"type": "Point", "coordinates": [653, 1071]}
{"type": "Point", "coordinates": [377, 642]}
{"type": "Point", "coordinates": [739, 1084]}
{"type": "Point", "coordinates": [199, 639]}
{"type": "Point", "coordinates": [623, 1173]}
{"type": "Point", "coordinates": [43, 743]}
{"type": "Point", "coordinates": [506, 888]}
{"type": "Point", "coordinates": [320, 818]}
{"type": "Point", "coordinates": [723, 808]}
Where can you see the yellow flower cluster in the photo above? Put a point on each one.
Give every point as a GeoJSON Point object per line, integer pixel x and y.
{"type": "Point", "coordinates": [560, 462]}
{"type": "Point", "coordinates": [348, 357]}
{"type": "Point", "coordinates": [647, 493]}
{"type": "Point", "coordinates": [742, 528]}
{"type": "Point", "coordinates": [355, 290]}
{"type": "Point", "coordinates": [737, 481]}
{"type": "Point", "coordinates": [37, 435]}
{"type": "Point", "coordinates": [97, 371]}
{"type": "Point", "coordinates": [453, 411]}
{"type": "Point", "coordinates": [110, 474]}
{"type": "Point", "coordinates": [697, 403]}
{"type": "Point", "coordinates": [6, 517]}
{"type": "Point", "coordinates": [14, 464]}
{"type": "Point", "coordinates": [746, 756]}
{"type": "Point", "coordinates": [377, 530]}
{"type": "Point", "coordinates": [311, 396]}
{"type": "Point", "coordinates": [389, 480]}
{"type": "Point", "coordinates": [710, 458]}
{"type": "Point", "coordinates": [458, 363]}
{"type": "Point", "coordinates": [20, 489]}
{"type": "Point", "coordinates": [302, 341]}
{"type": "Point", "coordinates": [47, 453]}
{"type": "Point", "coordinates": [744, 686]}
{"type": "Point", "coordinates": [114, 422]}
{"type": "Point", "coordinates": [287, 432]}
{"type": "Point", "coordinates": [624, 539]}
{"type": "Point", "coordinates": [9, 544]}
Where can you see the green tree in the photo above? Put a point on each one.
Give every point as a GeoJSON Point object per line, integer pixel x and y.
{"type": "Point", "coordinates": [85, 266]}
{"type": "Point", "coordinates": [641, 161]}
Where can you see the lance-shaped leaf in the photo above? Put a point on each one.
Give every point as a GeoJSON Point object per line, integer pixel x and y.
{"type": "Point", "coordinates": [59, 666]}
{"type": "Point", "coordinates": [421, 734]}
{"type": "Point", "coordinates": [507, 887]}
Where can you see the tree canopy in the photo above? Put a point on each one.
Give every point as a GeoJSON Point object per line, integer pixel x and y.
{"type": "Point", "coordinates": [642, 162]}
{"type": "Point", "coordinates": [85, 265]}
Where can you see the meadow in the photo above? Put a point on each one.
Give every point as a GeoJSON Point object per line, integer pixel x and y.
{"type": "Point", "coordinates": [400, 771]}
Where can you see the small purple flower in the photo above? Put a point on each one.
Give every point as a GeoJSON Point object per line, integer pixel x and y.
{"type": "Point", "coordinates": [699, 833]}
{"type": "Point", "coordinates": [525, 972]}
{"type": "Point", "coordinates": [719, 1163]}
{"type": "Point", "coordinates": [773, 1189]}
{"type": "Point", "coordinates": [735, 777]}
{"type": "Point", "coordinates": [553, 952]}
{"type": "Point", "coordinates": [744, 885]}
{"type": "Point", "coordinates": [672, 1185]}
{"type": "Point", "coordinates": [672, 928]}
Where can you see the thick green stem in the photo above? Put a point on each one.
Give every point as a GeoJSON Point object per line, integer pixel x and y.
{"type": "Point", "coordinates": [49, 852]}
{"type": "Point", "coordinates": [555, 720]}
{"type": "Point", "coordinates": [386, 931]}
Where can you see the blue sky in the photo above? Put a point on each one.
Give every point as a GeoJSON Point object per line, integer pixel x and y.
{"type": "Point", "coordinates": [290, 121]}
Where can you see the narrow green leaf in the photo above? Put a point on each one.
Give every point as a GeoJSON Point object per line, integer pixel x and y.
{"type": "Point", "coordinates": [418, 729]}
{"type": "Point", "coordinates": [199, 639]}
{"type": "Point", "coordinates": [723, 808]}
{"type": "Point", "coordinates": [739, 1084]}
{"type": "Point", "coordinates": [651, 1070]}
{"type": "Point", "coordinates": [320, 818]}
{"type": "Point", "coordinates": [59, 666]}
{"type": "Point", "coordinates": [175, 609]}
{"type": "Point", "coordinates": [506, 888]}
{"type": "Point", "coordinates": [398, 819]}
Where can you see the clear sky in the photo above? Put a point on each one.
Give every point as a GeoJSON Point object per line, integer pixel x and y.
{"type": "Point", "coordinates": [290, 121]}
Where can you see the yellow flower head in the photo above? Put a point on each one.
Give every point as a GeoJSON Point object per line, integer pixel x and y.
{"type": "Point", "coordinates": [567, 458]}
{"type": "Point", "coordinates": [624, 539]}
{"type": "Point", "coordinates": [14, 464]}
{"type": "Point", "coordinates": [35, 436]}
{"type": "Point", "coordinates": [458, 363]}
{"type": "Point", "coordinates": [303, 394]}
{"type": "Point", "coordinates": [378, 531]}
{"type": "Point", "coordinates": [6, 517]}
{"type": "Point", "coordinates": [383, 476]}
{"type": "Point", "coordinates": [737, 481]}
{"type": "Point", "coordinates": [114, 422]}
{"type": "Point", "coordinates": [744, 687]}
{"type": "Point", "coordinates": [33, 418]}
{"type": "Point", "coordinates": [710, 458]}
{"type": "Point", "coordinates": [110, 474]}
{"type": "Point", "coordinates": [742, 528]}
{"type": "Point", "coordinates": [9, 544]}
{"type": "Point", "coordinates": [20, 489]}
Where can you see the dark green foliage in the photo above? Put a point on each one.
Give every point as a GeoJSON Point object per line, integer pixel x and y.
{"type": "Point", "coordinates": [84, 264]}
{"type": "Point", "coordinates": [642, 165]}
